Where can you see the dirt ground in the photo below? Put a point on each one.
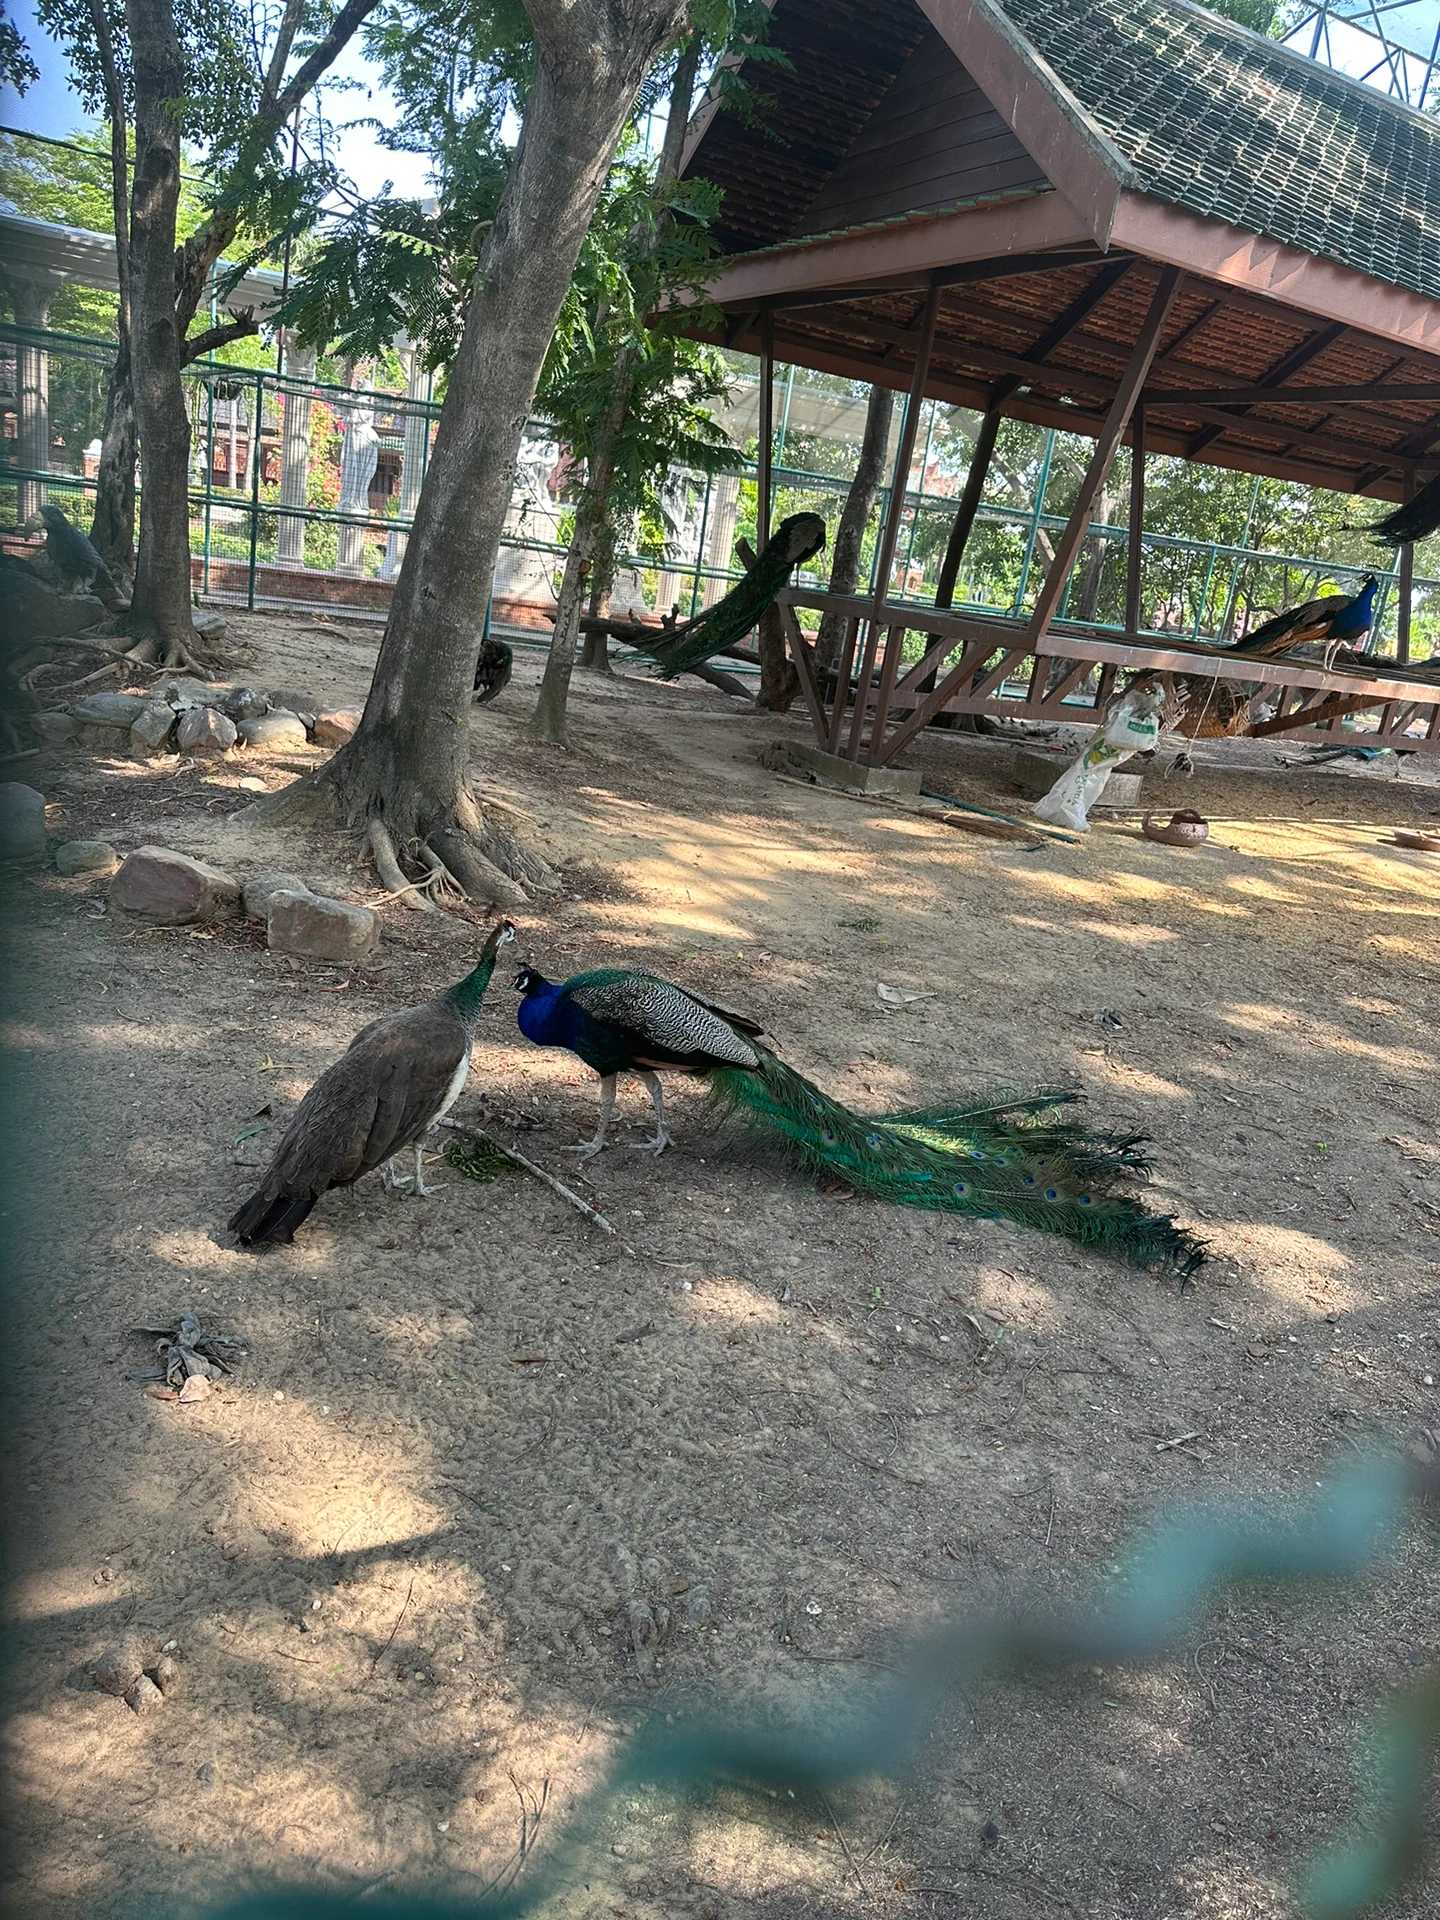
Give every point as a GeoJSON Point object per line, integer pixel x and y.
{"type": "Point", "coordinates": [488, 1486]}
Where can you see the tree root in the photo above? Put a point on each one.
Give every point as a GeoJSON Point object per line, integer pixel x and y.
{"type": "Point", "coordinates": [480, 879]}
{"type": "Point", "coordinates": [465, 854]}
{"type": "Point", "coordinates": [179, 656]}
{"type": "Point", "coordinates": [304, 799]}
{"type": "Point", "coordinates": [410, 893]}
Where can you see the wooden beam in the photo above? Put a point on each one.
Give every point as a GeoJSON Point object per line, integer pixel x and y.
{"type": "Point", "coordinates": [1085, 385]}
{"type": "Point", "coordinates": [1075, 154]}
{"type": "Point", "coordinates": [853, 363]}
{"type": "Point", "coordinates": [890, 537]}
{"type": "Point", "coordinates": [969, 504]}
{"type": "Point", "coordinates": [1289, 279]}
{"type": "Point", "coordinates": [765, 450]}
{"type": "Point", "coordinates": [1395, 393]}
{"type": "Point", "coordinates": [1020, 223]}
{"type": "Point", "coordinates": [1405, 590]}
{"type": "Point", "coordinates": [1223, 663]}
{"type": "Point", "coordinates": [1116, 420]}
{"type": "Point", "coordinates": [1135, 545]}
{"type": "Point", "coordinates": [1276, 376]}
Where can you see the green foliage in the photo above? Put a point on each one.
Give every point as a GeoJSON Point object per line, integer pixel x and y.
{"type": "Point", "coordinates": [17, 68]}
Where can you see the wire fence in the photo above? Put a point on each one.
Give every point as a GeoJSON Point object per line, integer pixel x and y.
{"type": "Point", "coordinates": [303, 495]}
{"type": "Point", "coordinates": [1157, 1598]}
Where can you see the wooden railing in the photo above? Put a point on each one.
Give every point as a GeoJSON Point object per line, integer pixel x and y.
{"type": "Point", "coordinates": [876, 701]}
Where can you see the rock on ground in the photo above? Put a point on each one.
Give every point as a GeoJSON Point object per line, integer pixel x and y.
{"type": "Point", "coordinates": [85, 856]}
{"type": "Point", "coordinates": [242, 703]}
{"type": "Point", "coordinates": [22, 822]}
{"type": "Point", "coordinates": [109, 709]}
{"type": "Point", "coordinates": [320, 928]}
{"type": "Point", "coordinates": [274, 730]}
{"type": "Point", "coordinates": [34, 612]}
{"type": "Point", "coordinates": [333, 729]}
{"type": "Point", "coordinates": [209, 624]}
{"type": "Point", "coordinates": [261, 888]}
{"type": "Point", "coordinates": [303, 704]}
{"type": "Point", "coordinates": [152, 728]}
{"type": "Point", "coordinates": [205, 730]}
{"type": "Point", "coordinates": [55, 728]}
{"type": "Point", "coordinates": [171, 890]}
{"type": "Point", "coordinates": [119, 1667]}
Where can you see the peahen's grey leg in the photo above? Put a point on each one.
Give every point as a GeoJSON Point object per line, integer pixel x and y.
{"type": "Point", "coordinates": [397, 1182]}
{"type": "Point", "coordinates": [607, 1107]}
{"type": "Point", "coordinates": [420, 1190]}
{"type": "Point", "coordinates": [657, 1100]}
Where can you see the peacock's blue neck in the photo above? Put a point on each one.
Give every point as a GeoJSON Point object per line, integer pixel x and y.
{"type": "Point", "coordinates": [545, 1016]}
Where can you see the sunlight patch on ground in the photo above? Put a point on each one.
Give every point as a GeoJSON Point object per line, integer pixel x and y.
{"type": "Point", "coordinates": [727, 1298]}
{"type": "Point", "coordinates": [1312, 1033]}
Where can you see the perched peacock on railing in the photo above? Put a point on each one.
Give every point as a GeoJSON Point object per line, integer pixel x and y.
{"type": "Point", "coordinates": [1000, 1156]}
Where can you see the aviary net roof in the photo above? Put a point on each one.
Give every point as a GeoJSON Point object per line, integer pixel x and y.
{"type": "Point", "coordinates": [1217, 120]}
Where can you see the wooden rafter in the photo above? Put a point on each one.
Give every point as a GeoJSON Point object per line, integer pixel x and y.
{"type": "Point", "coordinates": [1288, 363]}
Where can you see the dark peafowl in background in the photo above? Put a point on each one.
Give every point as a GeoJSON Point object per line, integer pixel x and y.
{"type": "Point", "coordinates": [492, 670]}
{"type": "Point", "coordinates": [1418, 517]}
{"type": "Point", "coordinates": [1000, 1156]}
{"type": "Point", "coordinates": [677, 649]}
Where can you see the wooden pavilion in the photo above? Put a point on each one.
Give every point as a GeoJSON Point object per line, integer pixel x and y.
{"type": "Point", "coordinates": [1129, 219]}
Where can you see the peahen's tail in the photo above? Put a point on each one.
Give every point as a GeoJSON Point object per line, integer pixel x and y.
{"type": "Point", "coordinates": [1001, 1157]}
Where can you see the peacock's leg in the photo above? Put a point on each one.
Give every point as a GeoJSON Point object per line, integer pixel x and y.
{"type": "Point", "coordinates": [657, 1100]}
{"type": "Point", "coordinates": [607, 1107]}
{"type": "Point", "coordinates": [420, 1190]}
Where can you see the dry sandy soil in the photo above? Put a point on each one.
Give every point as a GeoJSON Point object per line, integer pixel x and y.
{"type": "Point", "coordinates": [487, 1487]}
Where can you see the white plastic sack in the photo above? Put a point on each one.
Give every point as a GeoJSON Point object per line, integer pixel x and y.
{"type": "Point", "coordinates": [1132, 726]}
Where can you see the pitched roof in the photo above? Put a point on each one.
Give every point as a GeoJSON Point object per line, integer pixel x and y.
{"type": "Point", "coordinates": [1213, 118]}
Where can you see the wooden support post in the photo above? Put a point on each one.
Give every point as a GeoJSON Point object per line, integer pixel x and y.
{"type": "Point", "coordinates": [890, 538]}
{"type": "Point", "coordinates": [765, 449]}
{"type": "Point", "coordinates": [1116, 420]}
{"type": "Point", "coordinates": [1135, 546]}
{"type": "Point", "coordinates": [1406, 592]}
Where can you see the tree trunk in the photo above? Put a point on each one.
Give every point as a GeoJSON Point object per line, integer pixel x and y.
{"type": "Point", "coordinates": [549, 719]}
{"type": "Point", "coordinates": [595, 654]}
{"type": "Point", "coordinates": [405, 768]}
{"type": "Point", "coordinates": [779, 680]}
{"type": "Point", "coordinates": [112, 531]}
{"type": "Point", "coordinates": [112, 528]}
{"type": "Point", "coordinates": [850, 537]}
{"type": "Point", "coordinates": [160, 612]}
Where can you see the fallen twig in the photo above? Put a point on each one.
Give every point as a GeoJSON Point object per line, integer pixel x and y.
{"type": "Point", "coordinates": [1180, 1440]}
{"type": "Point", "coordinates": [840, 1836]}
{"type": "Point", "coordinates": [480, 1138]}
{"type": "Point", "coordinates": [393, 1631]}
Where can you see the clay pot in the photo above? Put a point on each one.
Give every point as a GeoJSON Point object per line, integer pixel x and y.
{"type": "Point", "coordinates": [1183, 829]}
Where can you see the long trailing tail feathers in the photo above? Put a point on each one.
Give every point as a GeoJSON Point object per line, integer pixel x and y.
{"type": "Point", "coordinates": [992, 1158]}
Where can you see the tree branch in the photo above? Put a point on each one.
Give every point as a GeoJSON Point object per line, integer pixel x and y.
{"type": "Point", "coordinates": [119, 155]}
{"type": "Point", "coordinates": [198, 255]}
{"type": "Point", "coordinates": [213, 338]}
{"type": "Point", "coordinates": [279, 58]}
{"type": "Point", "coordinates": [321, 57]}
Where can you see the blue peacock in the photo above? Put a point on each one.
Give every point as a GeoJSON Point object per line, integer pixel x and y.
{"type": "Point", "coordinates": [999, 1156]}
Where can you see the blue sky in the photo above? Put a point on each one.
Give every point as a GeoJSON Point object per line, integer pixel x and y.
{"type": "Point", "coordinates": [50, 107]}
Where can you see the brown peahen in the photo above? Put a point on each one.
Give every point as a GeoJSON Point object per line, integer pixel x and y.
{"type": "Point", "coordinates": [397, 1079]}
